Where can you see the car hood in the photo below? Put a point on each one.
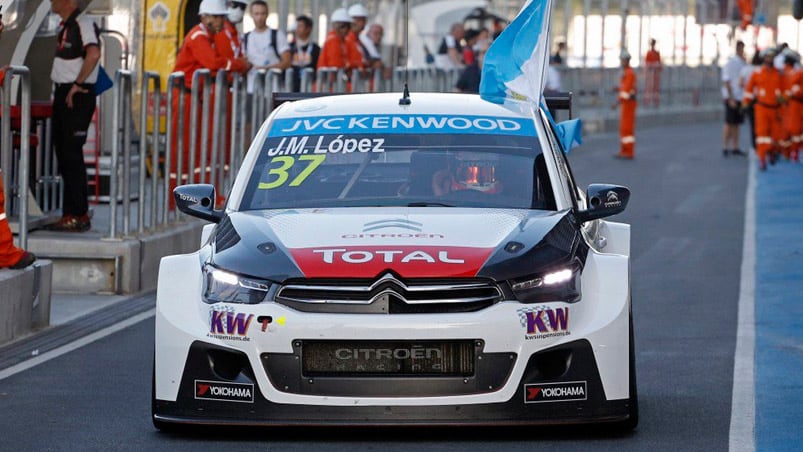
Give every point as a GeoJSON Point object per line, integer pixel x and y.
{"type": "Point", "coordinates": [416, 242]}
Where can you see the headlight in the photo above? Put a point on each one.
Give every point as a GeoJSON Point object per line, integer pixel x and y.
{"type": "Point", "coordinates": [561, 284]}
{"type": "Point", "coordinates": [222, 286]}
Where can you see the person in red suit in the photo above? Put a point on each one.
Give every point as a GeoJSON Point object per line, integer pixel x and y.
{"type": "Point", "coordinates": [199, 51]}
{"type": "Point", "coordinates": [336, 51]}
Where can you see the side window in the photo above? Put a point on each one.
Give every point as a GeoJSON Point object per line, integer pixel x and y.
{"type": "Point", "coordinates": [579, 195]}
{"type": "Point", "coordinates": [567, 184]}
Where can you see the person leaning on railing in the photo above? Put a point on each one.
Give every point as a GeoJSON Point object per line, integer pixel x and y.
{"type": "Point", "coordinates": [10, 255]}
{"type": "Point", "coordinates": [198, 52]}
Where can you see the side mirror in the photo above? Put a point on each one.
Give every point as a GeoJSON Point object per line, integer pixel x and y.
{"type": "Point", "coordinates": [198, 200]}
{"type": "Point", "coordinates": [604, 200]}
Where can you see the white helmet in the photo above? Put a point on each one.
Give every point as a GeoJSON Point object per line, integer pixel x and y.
{"type": "Point", "coordinates": [357, 10]}
{"type": "Point", "coordinates": [625, 55]}
{"type": "Point", "coordinates": [213, 7]}
{"type": "Point", "coordinates": [338, 15]}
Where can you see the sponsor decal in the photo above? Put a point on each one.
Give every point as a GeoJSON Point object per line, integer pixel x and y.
{"type": "Point", "coordinates": [612, 199]}
{"type": "Point", "coordinates": [407, 261]}
{"type": "Point", "coordinates": [227, 324]}
{"type": "Point", "coordinates": [159, 14]}
{"type": "Point", "coordinates": [268, 323]}
{"type": "Point", "coordinates": [394, 223]}
{"type": "Point", "coordinates": [224, 391]}
{"type": "Point", "coordinates": [188, 198]}
{"type": "Point", "coordinates": [348, 354]}
{"type": "Point", "coordinates": [385, 235]}
{"type": "Point", "coordinates": [296, 145]}
{"type": "Point", "coordinates": [541, 322]}
{"type": "Point", "coordinates": [402, 124]}
{"type": "Point", "coordinates": [555, 392]}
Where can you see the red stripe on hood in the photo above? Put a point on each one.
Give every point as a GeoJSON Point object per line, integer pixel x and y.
{"type": "Point", "coordinates": [407, 261]}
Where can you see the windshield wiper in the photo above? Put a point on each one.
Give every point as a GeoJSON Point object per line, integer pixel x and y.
{"type": "Point", "coordinates": [429, 204]}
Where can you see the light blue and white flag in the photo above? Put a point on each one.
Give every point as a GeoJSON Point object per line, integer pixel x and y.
{"type": "Point", "coordinates": [515, 64]}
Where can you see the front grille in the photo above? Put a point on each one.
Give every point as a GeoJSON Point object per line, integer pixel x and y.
{"type": "Point", "coordinates": [388, 368]}
{"type": "Point", "coordinates": [388, 358]}
{"type": "Point", "coordinates": [389, 295]}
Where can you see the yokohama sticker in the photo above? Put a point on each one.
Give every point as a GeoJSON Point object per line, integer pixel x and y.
{"type": "Point", "coordinates": [224, 391]}
{"type": "Point", "coordinates": [555, 392]}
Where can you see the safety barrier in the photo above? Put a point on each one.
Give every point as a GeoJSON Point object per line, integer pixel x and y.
{"type": "Point", "coordinates": [680, 86]}
{"type": "Point", "coordinates": [226, 125]}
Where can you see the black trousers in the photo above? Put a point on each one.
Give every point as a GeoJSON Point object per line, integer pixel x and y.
{"type": "Point", "coordinates": [69, 127]}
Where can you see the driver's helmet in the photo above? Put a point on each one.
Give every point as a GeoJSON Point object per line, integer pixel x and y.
{"type": "Point", "coordinates": [476, 171]}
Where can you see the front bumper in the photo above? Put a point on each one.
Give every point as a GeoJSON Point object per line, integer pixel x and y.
{"type": "Point", "coordinates": [590, 406]}
{"type": "Point", "coordinates": [586, 359]}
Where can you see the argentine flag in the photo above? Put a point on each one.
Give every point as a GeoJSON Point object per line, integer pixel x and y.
{"type": "Point", "coordinates": [516, 62]}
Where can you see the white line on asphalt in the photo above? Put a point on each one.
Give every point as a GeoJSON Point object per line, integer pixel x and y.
{"type": "Point", "coordinates": [56, 352]}
{"type": "Point", "coordinates": [743, 402]}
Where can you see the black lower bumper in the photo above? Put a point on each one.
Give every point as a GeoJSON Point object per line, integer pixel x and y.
{"type": "Point", "coordinates": [560, 385]}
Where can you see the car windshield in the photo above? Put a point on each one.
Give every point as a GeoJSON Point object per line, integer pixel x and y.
{"type": "Point", "coordinates": [467, 162]}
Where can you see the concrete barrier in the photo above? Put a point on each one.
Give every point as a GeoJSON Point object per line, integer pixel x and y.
{"type": "Point", "coordinates": [25, 300]}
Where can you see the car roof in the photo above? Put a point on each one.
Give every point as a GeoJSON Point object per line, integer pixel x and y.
{"type": "Point", "coordinates": [388, 104]}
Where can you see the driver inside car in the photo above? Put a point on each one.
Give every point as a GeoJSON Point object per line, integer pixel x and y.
{"type": "Point", "coordinates": [468, 171]}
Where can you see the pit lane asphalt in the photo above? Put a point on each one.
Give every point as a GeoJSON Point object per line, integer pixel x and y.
{"type": "Point", "coordinates": [686, 212]}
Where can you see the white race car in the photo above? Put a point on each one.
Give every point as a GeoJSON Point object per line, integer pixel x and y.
{"type": "Point", "coordinates": [388, 264]}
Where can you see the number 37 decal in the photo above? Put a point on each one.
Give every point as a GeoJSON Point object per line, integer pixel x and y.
{"type": "Point", "coordinates": [284, 163]}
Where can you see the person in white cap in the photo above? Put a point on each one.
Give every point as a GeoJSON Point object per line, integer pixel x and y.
{"type": "Point", "coordinates": [198, 51]}
{"type": "Point", "coordinates": [336, 51]}
{"type": "Point", "coordinates": [227, 41]}
{"type": "Point", "coordinates": [359, 18]}
{"type": "Point", "coordinates": [626, 100]}
{"type": "Point", "coordinates": [236, 11]}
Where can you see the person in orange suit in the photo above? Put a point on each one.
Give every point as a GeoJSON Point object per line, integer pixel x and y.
{"type": "Point", "coordinates": [764, 87]}
{"type": "Point", "coordinates": [652, 79]}
{"type": "Point", "coordinates": [793, 108]}
{"type": "Point", "coordinates": [229, 46]}
{"type": "Point", "coordinates": [626, 101]}
{"type": "Point", "coordinates": [336, 51]}
{"type": "Point", "coordinates": [227, 42]}
{"type": "Point", "coordinates": [746, 8]}
{"type": "Point", "coordinates": [10, 256]}
{"type": "Point", "coordinates": [199, 52]}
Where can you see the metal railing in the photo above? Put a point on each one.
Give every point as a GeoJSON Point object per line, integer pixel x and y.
{"type": "Point", "coordinates": [218, 116]}
{"type": "Point", "coordinates": [121, 134]}
{"type": "Point", "coordinates": [21, 167]}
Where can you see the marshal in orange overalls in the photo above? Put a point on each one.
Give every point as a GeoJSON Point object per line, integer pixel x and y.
{"type": "Point", "coordinates": [10, 255]}
{"type": "Point", "coordinates": [197, 52]}
{"type": "Point", "coordinates": [228, 45]}
{"type": "Point", "coordinates": [793, 117]}
{"type": "Point", "coordinates": [337, 52]}
{"type": "Point", "coordinates": [764, 87]}
{"type": "Point", "coordinates": [746, 8]}
{"type": "Point", "coordinates": [627, 118]}
{"type": "Point", "coordinates": [652, 72]}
